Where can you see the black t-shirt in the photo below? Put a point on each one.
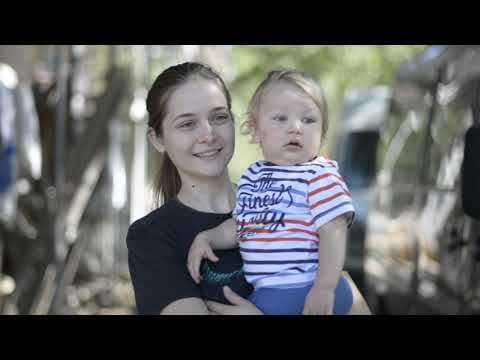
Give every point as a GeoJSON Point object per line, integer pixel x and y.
{"type": "Point", "coordinates": [158, 247]}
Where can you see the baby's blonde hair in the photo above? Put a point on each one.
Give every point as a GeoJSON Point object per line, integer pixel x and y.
{"type": "Point", "coordinates": [301, 80]}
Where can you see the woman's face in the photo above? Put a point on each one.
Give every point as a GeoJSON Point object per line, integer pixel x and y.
{"type": "Point", "coordinates": [198, 131]}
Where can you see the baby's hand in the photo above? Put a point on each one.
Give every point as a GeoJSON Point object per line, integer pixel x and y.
{"type": "Point", "coordinates": [200, 249]}
{"type": "Point", "coordinates": [319, 302]}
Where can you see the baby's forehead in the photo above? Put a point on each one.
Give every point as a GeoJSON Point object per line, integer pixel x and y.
{"type": "Point", "coordinates": [281, 85]}
{"type": "Point", "coordinates": [284, 95]}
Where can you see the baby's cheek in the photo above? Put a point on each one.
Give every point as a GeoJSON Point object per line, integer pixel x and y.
{"type": "Point", "coordinates": [271, 136]}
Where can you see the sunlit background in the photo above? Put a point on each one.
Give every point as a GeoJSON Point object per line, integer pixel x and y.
{"type": "Point", "coordinates": [77, 169]}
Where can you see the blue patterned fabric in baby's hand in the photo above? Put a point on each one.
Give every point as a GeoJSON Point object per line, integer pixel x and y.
{"type": "Point", "coordinates": [227, 271]}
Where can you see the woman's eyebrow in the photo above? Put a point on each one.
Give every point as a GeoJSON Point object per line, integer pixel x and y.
{"type": "Point", "coordinates": [182, 116]}
{"type": "Point", "coordinates": [218, 108]}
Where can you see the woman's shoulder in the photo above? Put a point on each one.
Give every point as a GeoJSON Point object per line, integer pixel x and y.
{"type": "Point", "coordinates": [149, 219]}
{"type": "Point", "coordinates": [154, 225]}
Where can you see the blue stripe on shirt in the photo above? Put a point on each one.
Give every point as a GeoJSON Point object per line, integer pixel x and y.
{"type": "Point", "coordinates": [319, 165]}
{"type": "Point", "coordinates": [326, 166]}
{"type": "Point", "coordinates": [277, 262]}
{"type": "Point", "coordinates": [286, 202]}
{"type": "Point", "coordinates": [282, 273]}
{"type": "Point", "coordinates": [252, 212]}
{"type": "Point", "coordinates": [331, 209]}
{"type": "Point", "coordinates": [277, 189]}
{"type": "Point", "coordinates": [277, 250]}
{"type": "Point", "coordinates": [272, 179]}
{"type": "Point", "coordinates": [280, 171]}
{"type": "Point", "coordinates": [299, 205]}
{"type": "Point", "coordinates": [293, 191]}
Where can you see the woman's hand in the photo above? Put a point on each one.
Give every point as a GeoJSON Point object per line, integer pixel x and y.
{"type": "Point", "coordinates": [199, 250]}
{"type": "Point", "coordinates": [240, 306]}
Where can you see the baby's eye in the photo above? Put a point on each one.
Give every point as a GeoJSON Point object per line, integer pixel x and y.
{"type": "Point", "coordinates": [309, 120]}
{"type": "Point", "coordinates": [280, 118]}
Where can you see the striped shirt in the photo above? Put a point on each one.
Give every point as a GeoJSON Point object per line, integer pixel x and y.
{"type": "Point", "coordinates": [279, 210]}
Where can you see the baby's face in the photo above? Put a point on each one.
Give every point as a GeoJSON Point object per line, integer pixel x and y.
{"type": "Point", "coordinates": [288, 126]}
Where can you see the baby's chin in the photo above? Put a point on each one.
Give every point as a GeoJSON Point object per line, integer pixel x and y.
{"type": "Point", "coordinates": [287, 162]}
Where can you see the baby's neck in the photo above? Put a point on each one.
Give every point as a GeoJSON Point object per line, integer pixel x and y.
{"type": "Point", "coordinates": [290, 163]}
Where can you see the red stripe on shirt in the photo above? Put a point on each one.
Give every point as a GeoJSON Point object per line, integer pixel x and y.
{"type": "Point", "coordinates": [323, 201]}
{"type": "Point", "coordinates": [327, 187]}
{"type": "Point", "coordinates": [277, 239]}
{"type": "Point", "coordinates": [298, 222]}
{"type": "Point", "coordinates": [306, 223]}
{"type": "Point", "coordinates": [267, 231]}
{"type": "Point", "coordinates": [323, 188]}
{"type": "Point", "coordinates": [324, 176]}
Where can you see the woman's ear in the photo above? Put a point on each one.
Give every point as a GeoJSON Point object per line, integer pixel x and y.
{"type": "Point", "coordinates": [155, 140]}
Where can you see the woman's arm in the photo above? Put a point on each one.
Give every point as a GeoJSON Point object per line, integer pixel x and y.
{"type": "Point", "coordinates": [360, 306]}
{"type": "Point", "coordinates": [240, 306]}
{"type": "Point", "coordinates": [194, 306]}
{"type": "Point", "coordinates": [160, 279]}
{"type": "Point", "coordinates": [188, 306]}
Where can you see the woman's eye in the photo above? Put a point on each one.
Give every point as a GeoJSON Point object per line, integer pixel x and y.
{"type": "Point", "coordinates": [186, 125]}
{"type": "Point", "coordinates": [221, 118]}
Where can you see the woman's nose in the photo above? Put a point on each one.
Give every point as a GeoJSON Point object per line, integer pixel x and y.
{"type": "Point", "coordinates": [207, 132]}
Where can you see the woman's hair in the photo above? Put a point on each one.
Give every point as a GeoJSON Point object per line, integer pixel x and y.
{"type": "Point", "coordinates": [305, 82]}
{"type": "Point", "coordinates": [168, 181]}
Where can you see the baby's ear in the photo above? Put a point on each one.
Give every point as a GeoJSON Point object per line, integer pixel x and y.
{"type": "Point", "coordinates": [254, 132]}
{"type": "Point", "coordinates": [155, 140]}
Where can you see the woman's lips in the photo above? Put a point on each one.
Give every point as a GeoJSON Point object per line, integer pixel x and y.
{"type": "Point", "coordinates": [208, 153]}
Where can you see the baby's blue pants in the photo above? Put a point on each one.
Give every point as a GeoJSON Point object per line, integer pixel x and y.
{"type": "Point", "coordinates": [290, 301]}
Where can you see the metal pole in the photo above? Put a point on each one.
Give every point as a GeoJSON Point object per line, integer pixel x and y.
{"type": "Point", "coordinates": [61, 113]}
{"type": "Point", "coordinates": [419, 190]}
{"type": "Point", "coordinates": [61, 65]}
{"type": "Point", "coordinates": [138, 116]}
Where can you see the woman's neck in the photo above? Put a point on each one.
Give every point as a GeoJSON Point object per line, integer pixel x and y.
{"type": "Point", "coordinates": [216, 196]}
